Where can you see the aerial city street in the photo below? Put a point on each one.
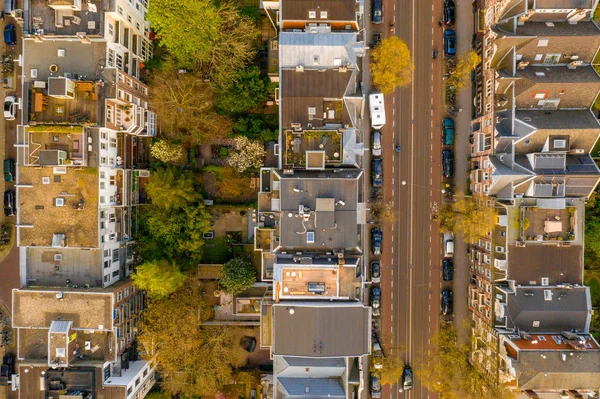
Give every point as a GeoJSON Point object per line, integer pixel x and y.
{"type": "Point", "coordinates": [285, 199]}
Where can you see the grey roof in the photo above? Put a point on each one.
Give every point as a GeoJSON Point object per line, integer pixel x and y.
{"type": "Point", "coordinates": [552, 373]}
{"type": "Point", "coordinates": [335, 228]}
{"type": "Point", "coordinates": [567, 310]}
{"type": "Point", "coordinates": [314, 388]}
{"type": "Point", "coordinates": [559, 264]}
{"type": "Point", "coordinates": [559, 120]}
{"type": "Point", "coordinates": [321, 329]}
{"type": "Point", "coordinates": [300, 49]}
{"type": "Point", "coordinates": [558, 74]}
{"type": "Point", "coordinates": [305, 367]}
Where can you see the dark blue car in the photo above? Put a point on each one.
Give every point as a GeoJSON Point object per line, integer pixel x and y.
{"type": "Point", "coordinates": [377, 12]}
{"type": "Point", "coordinates": [447, 269]}
{"type": "Point", "coordinates": [449, 42]}
{"type": "Point", "coordinates": [377, 172]}
{"type": "Point", "coordinates": [10, 35]}
{"type": "Point", "coordinates": [376, 241]}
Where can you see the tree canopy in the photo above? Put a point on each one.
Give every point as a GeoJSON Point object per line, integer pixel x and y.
{"type": "Point", "coordinates": [166, 152]}
{"type": "Point", "coordinates": [248, 154]}
{"type": "Point", "coordinates": [249, 90]}
{"type": "Point", "coordinates": [391, 65]}
{"type": "Point", "coordinates": [196, 359]}
{"type": "Point", "coordinates": [185, 106]}
{"type": "Point", "coordinates": [447, 370]}
{"type": "Point", "coordinates": [469, 216]}
{"type": "Point", "coordinates": [172, 227]}
{"type": "Point", "coordinates": [237, 275]}
{"type": "Point", "coordinates": [460, 75]}
{"type": "Point", "coordinates": [158, 278]}
{"type": "Point", "coordinates": [212, 37]}
{"type": "Point", "coordinates": [392, 370]}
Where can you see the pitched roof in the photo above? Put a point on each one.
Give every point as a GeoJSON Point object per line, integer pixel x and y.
{"type": "Point", "coordinates": [567, 309]}
{"type": "Point", "coordinates": [337, 10]}
{"type": "Point", "coordinates": [559, 264]}
{"type": "Point", "coordinates": [334, 50]}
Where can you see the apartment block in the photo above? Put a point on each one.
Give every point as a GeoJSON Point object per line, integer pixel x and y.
{"type": "Point", "coordinates": [81, 342]}
{"type": "Point", "coordinates": [532, 133]}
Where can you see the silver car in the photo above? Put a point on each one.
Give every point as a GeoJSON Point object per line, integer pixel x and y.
{"type": "Point", "coordinates": [376, 143]}
{"type": "Point", "coordinates": [10, 108]}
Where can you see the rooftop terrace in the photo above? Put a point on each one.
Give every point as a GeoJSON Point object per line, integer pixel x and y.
{"type": "Point", "coordinates": [77, 219]}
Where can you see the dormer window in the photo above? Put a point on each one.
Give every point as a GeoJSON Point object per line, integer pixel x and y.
{"type": "Point", "coordinates": [316, 60]}
{"type": "Point", "coordinates": [323, 14]}
{"type": "Point", "coordinates": [560, 143]}
{"type": "Point", "coordinates": [312, 14]}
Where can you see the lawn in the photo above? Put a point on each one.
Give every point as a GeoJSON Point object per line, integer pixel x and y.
{"type": "Point", "coordinates": [216, 251]}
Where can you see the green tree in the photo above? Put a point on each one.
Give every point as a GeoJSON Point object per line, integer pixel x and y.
{"type": "Point", "coordinates": [248, 91]}
{"type": "Point", "coordinates": [196, 359]}
{"type": "Point", "coordinates": [171, 188]}
{"type": "Point", "coordinates": [184, 104]}
{"type": "Point", "coordinates": [158, 395]}
{"type": "Point", "coordinates": [461, 73]}
{"type": "Point", "coordinates": [237, 275]}
{"type": "Point", "coordinates": [248, 154]}
{"type": "Point", "coordinates": [158, 278]}
{"type": "Point", "coordinates": [211, 36]}
{"type": "Point", "coordinates": [257, 127]}
{"type": "Point", "coordinates": [469, 216]}
{"type": "Point", "coordinates": [166, 152]}
{"type": "Point", "coordinates": [446, 369]}
{"type": "Point", "coordinates": [391, 65]}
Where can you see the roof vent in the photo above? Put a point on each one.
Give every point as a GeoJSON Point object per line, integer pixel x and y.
{"type": "Point", "coordinates": [547, 295]}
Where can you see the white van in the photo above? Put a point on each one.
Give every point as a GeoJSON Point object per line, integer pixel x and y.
{"type": "Point", "coordinates": [448, 244]}
{"type": "Point", "coordinates": [377, 110]}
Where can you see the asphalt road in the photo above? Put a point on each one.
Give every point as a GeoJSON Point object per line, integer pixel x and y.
{"type": "Point", "coordinates": [411, 282]}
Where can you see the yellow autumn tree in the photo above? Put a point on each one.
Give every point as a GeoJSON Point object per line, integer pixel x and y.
{"type": "Point", "coordinates": [391, 65]}
{"type": "Point", "coordinates": [469, 216]}
{"type": "Point", "coordinates": [461, 73]}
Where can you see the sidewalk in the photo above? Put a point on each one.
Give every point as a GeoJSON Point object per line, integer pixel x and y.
{"type": "Point", "coordinates": [462, 150]}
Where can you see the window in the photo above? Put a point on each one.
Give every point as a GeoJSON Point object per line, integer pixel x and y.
{"type": "Point", "coordinates": [137, 25]}
{"type": "Point", "coordinates": [103, 146]}
{"type": "Point", "coordinates": [106, 264]}
{"type": "Point", "coordinates": [538, 57]}
{"type": "Point", "coordinates": [560, 143]}
{"type": "Point", "coordinates": [115, 256]}
{"type": "Point", "coordinates": [120, 10]}
{"type": "Point", "coordinates": [552, 59]}
{"type": "Point", "coordinates": [106, 253]}
{"type": "Point", "coordinates": [536, 323]}
{"type": "Point", "coordinates": [106, 278]}
{"type": "Point", "coordinates": [115, 273]}
{"type": "Point", "coordinates": [111, 29]}
{"type": "Point", "coordinates": [112, 218]}
{"type": "Point", "coordinates": [102, 175]}
{"type": "Point", "coordinates": [102, 199]}
{"type": "Point", "coordinates": [323, 14]}
{"type": "Point", "coordinates": [126, 292]}
{"type": "Point", "coordinates": [102, 224]}
{"type": "Point", "coordinates": [540, 74]}
{"type": "Point", "coordinates": [503, 234]}
{"type": "Point", "coordinates": [540, 95]}
{"type": "Point", "coordinates": [128, 18]}
{"type": "Point", "coordinates": [312, 14]}
{"type": "Point", "coordinates": [547, 295]}
{"type": "Point", "coordinates": [109, 114]}
{"type": "Point", "coordinates": [541, 338]}
{"type": "Point", "coordinates": [137, 381]}
{"type": "Point", "coordinates": [316, 60]}
{"type": "Point", "coordinates": [542, 42]}
{"type": "Point", "coordinates": [129, 390]}
{"type": "Point", "coordinates": [145, 372]}
{"type": "Point", "coordinates": [545, 280]}
{"type": "Point", "coordinates": [103, 160]}
{"type": "Point", "coordinates": [499, 249]}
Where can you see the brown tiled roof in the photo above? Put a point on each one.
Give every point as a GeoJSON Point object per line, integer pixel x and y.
{"type": "Point", "coordinates": [337, 10]}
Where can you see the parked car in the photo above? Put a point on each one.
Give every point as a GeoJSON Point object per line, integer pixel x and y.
{"type": "Point", "coordinates": [377, 12]}
{"type": "Point", "coordinates": [10, 108]}
{"type": "Point", "coordinates": [376, 241]}
{"type": "Point", "coordinates": [9, 203]}
{"type": "Point", "coordinates": [7, 369]}
{"type": "Point", "coordinates": [448, 244]}
{"type": "Point", "coordinates": [448, 131]}
{"type": "Point", "coordinates": [376, 300]}
{"type": "Point", "coordinates": [376, 143]}
{"type": "Point", "coordinates": [377, 357]}
{"type": "Point", "coordinates": [375, 271]}
{"type": "Point", "coordinates": [447, 269]}
{"type": "Point", "coordinates": [9, 169]}
{"type": "Point", "coordinates": [450, 42]}
{"type": "Point", "coordinates": [377, 172]}
{"type": "Point", "coordinates": [446, 302]}
{"type": "Point", "coordinates": [449, 12]}
{"type": "Point", "coordinates": [448, 163]}
{"type": "Point", "coordinates": [10, 35]}
{"type": "Point", "coordinates": [248, 343]}
{"type": "Point", "coordinates": [375, 387]}
{"type": "Point", "coordinates": [407, 378]}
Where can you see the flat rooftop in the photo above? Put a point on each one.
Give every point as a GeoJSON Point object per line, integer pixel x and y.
{"type": "Point", "coordinates": [68, 22]}
{"type": "Point", "coordinates": [37, 206]}
{"type": "Point", "coordinates": [37, 308]}
{"type": "Point", "coordinates": [330, 210]}
{"type": "Point", "coordinates": [541, 342]}
{"type": "Point", "coordinates": [550, 224]}
{"type": "Point", "coordinates": [528, 265]}
{"type": "Point", "coordinates": [321, 329]}
{"type": "Point", "coordinates": [337, 10]}
{"type": "Point", "coordinates": [71, 140]}
{"type": "Point", "coordinates": [295, 281]}
{"type": "Point", "coordinates": [45, 269]}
